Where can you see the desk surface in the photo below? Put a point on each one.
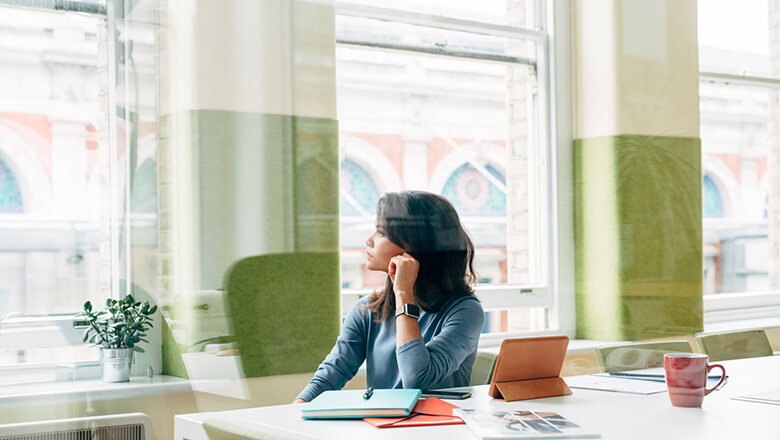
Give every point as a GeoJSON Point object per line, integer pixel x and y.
{"type": "Point", "coordinates": [613, 415]}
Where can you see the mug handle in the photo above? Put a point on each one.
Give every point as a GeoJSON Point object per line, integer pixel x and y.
{"type": "Point", "coordinates": [722, 378]}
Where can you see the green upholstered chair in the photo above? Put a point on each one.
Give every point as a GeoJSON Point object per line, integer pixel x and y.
{"type": "Point", "coordinates": [284, 311]}
{"type": "Point", "coordinates": [225, 429]}
{"type": "Point", "coordinates": [482, 371]}
{"type": "Point", "coordinates": [636, 356]}
{"type": "Point", "coordinates": [735, 345]}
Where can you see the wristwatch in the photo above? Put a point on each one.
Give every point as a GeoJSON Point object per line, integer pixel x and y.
{"type": "Point", "coordinates": [408, 310]}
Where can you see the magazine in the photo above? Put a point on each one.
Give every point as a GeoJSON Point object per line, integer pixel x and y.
{"type": "Point", "coordinates": [490, 425]}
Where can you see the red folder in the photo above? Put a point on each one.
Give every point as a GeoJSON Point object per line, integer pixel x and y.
{"type": "Point", "coordinates": [430, 411]}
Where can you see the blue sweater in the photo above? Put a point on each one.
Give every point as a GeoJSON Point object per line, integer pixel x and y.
{"type": "Point", "coordinates": [441, 359]}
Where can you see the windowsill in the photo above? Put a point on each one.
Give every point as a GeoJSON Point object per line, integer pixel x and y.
{"type": "Point", "coordinates": [744, 324]}
{"type": "Point", "coordinates": [576, 347]}
{"type": "Point", "coordinates": [79, 391]}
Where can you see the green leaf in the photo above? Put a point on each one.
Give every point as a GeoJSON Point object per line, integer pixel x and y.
{"type": "Point", "coordinates": [139, 349]}
{"type": "Point", "coordinates": [152, 310]}
{"type": "Point", "coordinates": [88, 306]}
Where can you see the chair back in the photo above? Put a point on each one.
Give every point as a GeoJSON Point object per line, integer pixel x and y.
{"type": "Point", "coordinates": [284, 311]}
{"type": "Point", "coordinates": [735, 345]}
{"type": "Point", "coordinates": [636, 356]}
{"type": "Point", "coordinates": [482, 371]}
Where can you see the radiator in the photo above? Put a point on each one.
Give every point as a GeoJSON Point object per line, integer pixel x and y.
{"type": "Point", "coordinates": [133, 426]}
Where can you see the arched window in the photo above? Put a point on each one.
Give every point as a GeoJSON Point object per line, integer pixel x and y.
{"type": "Point", "coordinates": [713, 203]}
{"type": "Point", "coordinates": [10, 195]}
{"type": "Point", "coordinates": [472, 193]}
{"type": "Point", "coordinates": [359, 193]}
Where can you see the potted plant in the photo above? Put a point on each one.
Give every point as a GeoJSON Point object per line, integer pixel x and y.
{"type": "Point", "coordinates": [117, 330]}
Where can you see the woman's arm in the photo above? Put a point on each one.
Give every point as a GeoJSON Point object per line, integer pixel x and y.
{"type": "Point", "coordinates": [403, 270]}
{"type": "Point", "coordinates": [344, 359]}
{"type": "Point", "coordinates": [425, 365]}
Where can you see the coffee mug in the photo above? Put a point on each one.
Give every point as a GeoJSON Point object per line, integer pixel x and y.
{"type": "Point", "coordinates": [686, 378]}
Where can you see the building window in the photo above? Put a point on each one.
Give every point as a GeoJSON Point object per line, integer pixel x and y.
{"type": "Point", "coordinates": [476, 193]}
{"type": "Point", "coordinates": [10, 195]}
{"type": "Point", "coordinates": [359, 194]}
{"type": "Point", "coordinates": [712, 204]}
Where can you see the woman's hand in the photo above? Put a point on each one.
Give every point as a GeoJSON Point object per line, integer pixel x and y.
{"type": "Point", "coordinates": [403, 271]}
{"type": "Point", "coordinates": [299, 401]}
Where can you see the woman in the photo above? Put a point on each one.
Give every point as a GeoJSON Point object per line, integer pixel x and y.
{"type": "Point", "coordinates": [428, 257]}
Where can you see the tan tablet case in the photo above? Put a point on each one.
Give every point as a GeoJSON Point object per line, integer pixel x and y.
{"type": "Point", "coordinates": [529, 368]}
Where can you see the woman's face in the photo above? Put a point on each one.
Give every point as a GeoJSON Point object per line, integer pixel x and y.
{"type": "Point", "coordinates": [380, 251]}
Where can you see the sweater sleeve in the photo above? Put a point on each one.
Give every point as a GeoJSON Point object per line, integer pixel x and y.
{"type": "Point", "coordinates": [425, 365]}
{"type": "Point", "coordinates": [344, 360]}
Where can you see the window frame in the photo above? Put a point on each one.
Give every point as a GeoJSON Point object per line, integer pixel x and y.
{"type": "Point", "coordinates": [734, 307]}
{"type": "Point", "coordinates": [554, 150]}
{"type": "Point", "coordinates": [60, 329]}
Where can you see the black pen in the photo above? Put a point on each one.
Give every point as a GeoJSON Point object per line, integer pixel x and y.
{"type": "Point", "coordinates": [369, 392]}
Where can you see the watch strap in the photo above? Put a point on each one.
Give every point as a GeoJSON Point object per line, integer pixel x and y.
{"type": "Point", "coordinates": [408, 310]}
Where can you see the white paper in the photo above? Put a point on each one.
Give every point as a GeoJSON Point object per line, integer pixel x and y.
{"type": "Point", "coordinates": [615, 384]}
{"type": "Point", "coordinates": [772, 398]}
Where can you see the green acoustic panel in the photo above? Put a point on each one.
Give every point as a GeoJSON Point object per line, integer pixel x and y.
{"type": "Point", "coordinates": [316, 184]}
{"type": "Point", "coordinates": [285, 311]}
{"type": "Point", "coordinates": [638, 237]}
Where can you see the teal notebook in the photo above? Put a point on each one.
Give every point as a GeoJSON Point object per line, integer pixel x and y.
{"type": "Point", "coordinates": [350, 404]}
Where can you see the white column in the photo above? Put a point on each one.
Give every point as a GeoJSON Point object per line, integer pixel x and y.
{"type": "Point", "coordinates": [415, 162]}
{"type": "Point", "coordinates": [69, 169]}
{"type": "Point", "coordinates": [752, 205]}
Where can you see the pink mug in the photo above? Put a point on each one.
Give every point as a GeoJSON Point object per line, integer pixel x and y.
{"type": "Point", "coordinates": [686, 378]}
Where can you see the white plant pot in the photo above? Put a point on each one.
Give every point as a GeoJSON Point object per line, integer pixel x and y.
{"type": "Point", "coordinates": [116, 364]}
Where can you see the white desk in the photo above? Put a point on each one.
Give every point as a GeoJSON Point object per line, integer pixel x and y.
{"type": "Point", "coordinates": [613, 415]}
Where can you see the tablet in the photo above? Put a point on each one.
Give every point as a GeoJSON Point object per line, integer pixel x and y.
{"type": "Point", "coordinates": [521, 359]}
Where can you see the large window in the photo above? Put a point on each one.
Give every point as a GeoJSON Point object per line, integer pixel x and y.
{"type": "Point", "coordinates": [77, 173]}
{"type": "Point", "coordinates": [453, 104]}
{"type": "Point", "coordinates": [738, 46]}
{"type": "Point", "coordinates": [50, 178]}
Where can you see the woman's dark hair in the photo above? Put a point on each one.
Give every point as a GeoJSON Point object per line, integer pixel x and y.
{"type": "Point", "coordinates": [427, 227]}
